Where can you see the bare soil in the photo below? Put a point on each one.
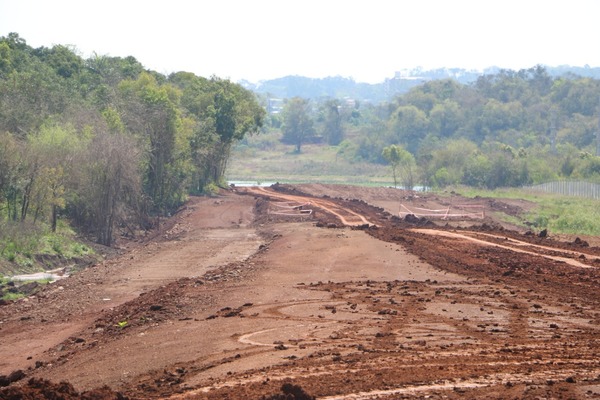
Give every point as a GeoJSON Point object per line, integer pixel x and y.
{"type": "Point", "coordinates": [317, 291]}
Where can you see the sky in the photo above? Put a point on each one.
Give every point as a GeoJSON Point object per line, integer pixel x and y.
{"type": "Point", "coordinates": [265, 39]}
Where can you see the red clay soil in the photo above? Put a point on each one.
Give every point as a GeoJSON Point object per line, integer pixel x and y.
{"type": "Point", "coordinates": [317, 291]}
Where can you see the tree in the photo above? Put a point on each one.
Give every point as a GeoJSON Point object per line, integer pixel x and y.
{"type": "Point", "coordinates": [5, 59]}
{"type": "Point", "coordinates": [28, 98]}
{"type": "Point", "coordinates": [219, 113]}
{"type": "Point", "coordinates": [102, 74]}
{"type": "Point", "coordinates": [408, 125]}
{"type": "Point", "coordinates": [298, 124]}
{"type": "Point", "coordinates": [498, 116]}
{"type": "Point", "coordinates": [403, 165]}
{"type": "Point", "coordinates": [446, 118]}
{"type": "Point", "coordinates": [61, 59]}
{"type": "Point", "coordinates": [576, 95]}
{"type": "Point", "coordinates": [110, 188]}
{"type": "Point", "coordinates": [450, 156]}
{"type": "Point", "coordinates": [236, 114]}
{"type": "Point", "coordinates": [151, 111]}
{"type": "Point", "coordinates": [332, 127]}
{"type": "Point", "coordinates": [9, 172]}
{"type": "Point", "coordinates": [52, 153]}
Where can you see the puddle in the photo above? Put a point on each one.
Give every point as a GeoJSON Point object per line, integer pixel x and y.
{"type": "Point", "coordinates": [250, 183]}
{"type": "Point", "coordinates": [53, 276]}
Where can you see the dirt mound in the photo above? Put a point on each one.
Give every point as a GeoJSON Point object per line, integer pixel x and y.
{"type": "Point", "coordinates": [414, 220]}
{"type": "Point", "coordinates": [39, 389]}
{"type": "Point", "coordinates": [290, 392]}
{"type": "Point", "coordinates": [288, 189]}
{"type": "Point", "coordinates": [14, 376]}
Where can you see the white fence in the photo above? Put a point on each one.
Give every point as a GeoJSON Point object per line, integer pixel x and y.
{"type": "Point", "coordinates": [290, 209]}
{"type": "Point", "coordinates": [569, 188]}
{"type": "Point", "coordinates": [468, 211]}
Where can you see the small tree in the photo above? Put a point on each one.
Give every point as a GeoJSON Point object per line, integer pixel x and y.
{"type": "Point", "coordinates": [403, 165]}
{"type": "Point", "coordinates": [298, 124]}
{"type": "Point", "coordinates": [51, 154]}
{"type": "Point", "coordinates": [332, 126]}
{"type": "Point", "coordinates": [110, 190]}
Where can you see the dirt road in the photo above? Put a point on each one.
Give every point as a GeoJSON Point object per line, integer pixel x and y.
{"type": "Point", "coordinates": [235, 299]}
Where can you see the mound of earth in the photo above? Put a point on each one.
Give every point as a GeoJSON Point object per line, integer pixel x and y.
{"type": "Point", "coordinates": [40, 389]}
{"type": "Point", "coordinates": [318, 291]}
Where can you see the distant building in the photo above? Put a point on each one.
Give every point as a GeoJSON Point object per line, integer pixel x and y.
{"type": "Point", "coordinates": [409, 75]}
{"type": "Point", "coordinates": [349, 103]}
{"type": "Point", "coordinates": [274, 106]}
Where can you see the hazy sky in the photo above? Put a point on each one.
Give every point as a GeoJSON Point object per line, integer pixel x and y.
{"type": "Point", "coordinates": [264, 39]}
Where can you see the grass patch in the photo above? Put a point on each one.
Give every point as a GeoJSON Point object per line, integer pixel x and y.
{"type": "Point", "coordinates": [12, 296]}
{"type": "Point", "coordinates": [20, 288]}
{"type": "Point", "coordinates": [21, 242]}
{"type": "Point", "coordinates": [63, 242]}
{"type": "Point", "coordinates": [254, 160]}
{"type": "Point", "coordinates": [559, 214]}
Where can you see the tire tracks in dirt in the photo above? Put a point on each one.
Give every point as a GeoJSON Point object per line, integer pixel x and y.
{"type": "Point", "coordinates": [346, 215]}
{"type": "Point", "coordinates": [480, 336]}
{"type": "Point", "coordinates": [467, 314]}
{"type": "Point", "coordinates": [511, 245]}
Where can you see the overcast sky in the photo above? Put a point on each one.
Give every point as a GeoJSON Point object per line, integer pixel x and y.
{"type": "Point", "coordinates": [265, 39]}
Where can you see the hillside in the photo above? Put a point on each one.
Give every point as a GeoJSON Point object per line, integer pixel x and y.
{"type": "Point", "coordinates": [399, 83]}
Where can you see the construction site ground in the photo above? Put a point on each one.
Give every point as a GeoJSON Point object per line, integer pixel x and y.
{"type": "Point", "coordinates": [318, 291]}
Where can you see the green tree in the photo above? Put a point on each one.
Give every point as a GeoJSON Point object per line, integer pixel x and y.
{"type": "Point", "coordinates": [28, 98]}
{"type": "Point", "coordinates": [449, 155]}
{"type": "Point", "coordinates": [332, 127]}
{"type": "Point", "coordinates": [403, 165]}
{"type": "Point", "coordinates": [498, 116]}
{"type": "Point", "coordinates": [236, 114]}
{"type": "Point", "coordinates": [5, 59]}
{"type": "Point", "coordinates": [576, 95]}
{"type": "Point", "coordinates": [446, 118]}
{"type": "Point", "coordinates": [477, 170]}
{"type": "Point", "coordinates": [101, 76]}
{"type": "Point", "coordinates": [10, 160]}
{"type": "Point", "coordinates": [151, 111]}
{"type": "Point", "coordinates": [52, 154]}
{"type": "Point", "coordinates": [220, 113]}
{"type": "Point", "coordinates": [590, 167]}
{"type": "Point", "coordinates": [61, 59]}
{"type": "Point", "coordinates": [408, 125]}
{"type": "Point", "coordinates": [298, 124]}
{"type": "Point", "coordinates": [110, 191]}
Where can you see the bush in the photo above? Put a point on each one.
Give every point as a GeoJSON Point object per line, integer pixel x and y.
{"type": "Point", "coordinates": [541, 221]}
{"type": "Point", "coordinates": [20, 242]}
{"type": "Point", "coordinates": [212, 189]}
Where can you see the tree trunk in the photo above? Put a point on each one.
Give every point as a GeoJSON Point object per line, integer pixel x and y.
{"type": "Point", "coordinates": [54, 217]}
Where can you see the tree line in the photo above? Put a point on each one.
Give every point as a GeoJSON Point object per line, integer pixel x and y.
{"type": "Point", "coordinates": [508, 129]}
{"type": "Point", "coordinates": [402, 82]}
{"type": "Point", "coordinates": [105, 142]}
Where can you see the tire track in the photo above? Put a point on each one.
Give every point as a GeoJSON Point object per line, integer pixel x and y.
{"type": "Point", "coordinates": [345, 215]}
{"type": "Point", "coordinates": [514, 247]}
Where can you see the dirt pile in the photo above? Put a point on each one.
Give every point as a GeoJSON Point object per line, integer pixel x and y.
{"type": "Point", "coordinates": [41, 389]}
{"type": "Point", "coordinates": [289, 392]}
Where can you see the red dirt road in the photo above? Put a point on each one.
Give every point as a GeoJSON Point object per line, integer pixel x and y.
{"type": "Point", "coordinates": [234, 300]}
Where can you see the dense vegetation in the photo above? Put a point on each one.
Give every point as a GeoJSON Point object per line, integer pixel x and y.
{"type": "Point", "coordinates": [104, 142]}
{"type": "Point", "coordinates": [510, 129]}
